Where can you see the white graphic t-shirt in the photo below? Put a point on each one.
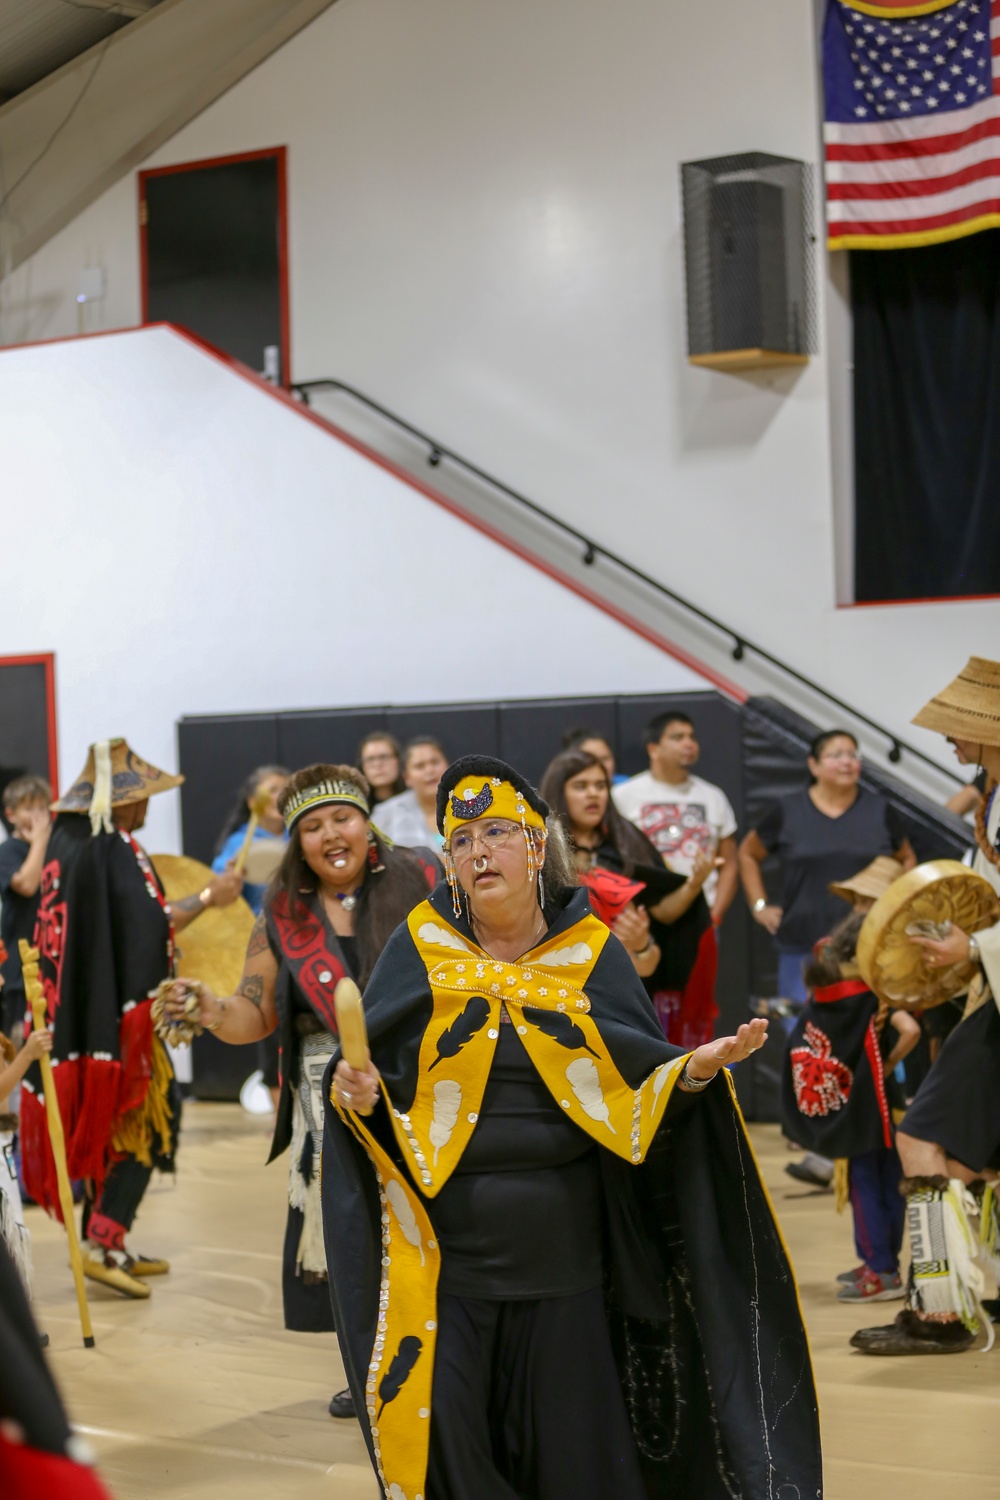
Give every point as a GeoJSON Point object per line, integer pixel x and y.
{"type": "Point", "coordinates": [679, 818]}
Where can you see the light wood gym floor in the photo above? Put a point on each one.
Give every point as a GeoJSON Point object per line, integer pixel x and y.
{"type": "Point", "coordinates": [200, 1392]}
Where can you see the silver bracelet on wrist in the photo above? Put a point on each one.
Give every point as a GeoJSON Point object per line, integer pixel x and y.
{"type": "Point", "coordinates": [975, 956]}
{"type": "Point", "coordinates": [693, 1085]}
{"type": "Point", "coordinates": [759, 905]}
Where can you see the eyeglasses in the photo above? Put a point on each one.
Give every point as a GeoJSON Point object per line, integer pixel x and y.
{"type": "Point", "coordinates": [849, 755]}
{"type": "Point", "coordinates": [378, 760]}
{"type": "Point", "coordinates": [493, 836]}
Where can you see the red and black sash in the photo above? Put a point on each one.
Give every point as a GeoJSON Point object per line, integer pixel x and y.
{"type": "Point", "coordinates": [309, 947]}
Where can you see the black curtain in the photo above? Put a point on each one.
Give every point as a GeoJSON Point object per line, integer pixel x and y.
{"type": "Point", "coordinates": [927, 420]}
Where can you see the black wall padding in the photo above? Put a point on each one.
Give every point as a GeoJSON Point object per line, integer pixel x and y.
{"type": "Point", "coordinates": [24, 724]}
{"type": "Point", "coordinates": [754, 753]}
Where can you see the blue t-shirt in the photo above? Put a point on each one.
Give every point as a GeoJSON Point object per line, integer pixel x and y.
{"type": "Point", "coordinates": [253, 895]}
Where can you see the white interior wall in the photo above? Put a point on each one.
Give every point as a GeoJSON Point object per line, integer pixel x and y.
{"type": "Point", "coordinates": [485, 235]}
{"type": "Point", "coordinates": [188, 543]}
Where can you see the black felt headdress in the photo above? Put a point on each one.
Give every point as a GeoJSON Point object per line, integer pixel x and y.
{"type": "Point", "coordinates": [494, 773]}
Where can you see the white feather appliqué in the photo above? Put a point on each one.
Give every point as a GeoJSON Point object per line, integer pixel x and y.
{"type": "Point", "coordinates": [586, 1085]}
{"type": "Point", "coordinates": [443, 936]}
{"type": "Point", "coordinates": [662, 1074]}
{"type": "Point", "coordinates": [578, 953]}
{"type": "Point", "coordinates": [447, 1103]}
{"type": "Point", "coordinates": [400, 1205]}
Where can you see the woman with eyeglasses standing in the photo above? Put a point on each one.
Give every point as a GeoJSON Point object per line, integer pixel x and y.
{"type": "Point", "coordinates": [821, 834]}
{"type": "Point", "coordinates": [554, 1267]}
{"type": "Point", "coordinates": [381, 763]}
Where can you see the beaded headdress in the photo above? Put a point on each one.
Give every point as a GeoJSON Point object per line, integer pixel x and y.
{"type": "Point", "coordinates": [322, 794]}
{"type": "Point", "coordinates": [477, 785]}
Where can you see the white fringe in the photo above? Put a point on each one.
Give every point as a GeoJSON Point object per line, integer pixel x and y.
{"type": "Point", "coordinates": [307, 1124]}
{"type": "Point", "coordinates": [13, 1230]}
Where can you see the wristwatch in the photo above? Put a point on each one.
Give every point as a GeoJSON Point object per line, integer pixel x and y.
{"type": "Point", "coordinates": [760, 903]}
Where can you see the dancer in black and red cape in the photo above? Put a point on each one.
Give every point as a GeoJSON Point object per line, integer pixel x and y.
{"type": "Point", "coordinates": [105, 934]}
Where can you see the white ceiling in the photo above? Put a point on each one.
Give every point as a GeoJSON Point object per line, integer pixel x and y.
{"type": "Point", "coordinates": [39, 36]}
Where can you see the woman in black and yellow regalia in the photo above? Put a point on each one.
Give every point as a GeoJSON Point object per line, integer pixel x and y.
{"type": "Point", "coordinates": [555, 1270]}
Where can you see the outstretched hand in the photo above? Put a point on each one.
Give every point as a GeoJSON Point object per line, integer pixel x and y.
{"type": "Point", "coordinates": [706, 1061]}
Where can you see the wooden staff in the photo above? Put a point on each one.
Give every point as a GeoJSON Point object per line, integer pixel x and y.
{"type": "Point", "coordinates": [36, 999]}
{"type": "Point", "coordinates": [259, 803]}
{"type": "Point", "coordinates": [352, 1028]}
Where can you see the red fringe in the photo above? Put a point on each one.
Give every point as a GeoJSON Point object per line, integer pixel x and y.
{"type": "Point", "coordinates": [688, 1016]}
{"type": "Point", "coordinates": [28, 1474]}
{"type": "Point", "coordinates": [87, 1143]}
{"type": "Point", "coordinates": [37, 1162]}
{"type": "Point", "coordinates": [135, 1048]}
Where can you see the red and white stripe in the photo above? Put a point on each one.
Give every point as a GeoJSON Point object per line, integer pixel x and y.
{"type": "Point", "coordinates": [916, 181]}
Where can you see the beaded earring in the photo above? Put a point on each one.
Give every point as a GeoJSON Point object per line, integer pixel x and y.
{"type": "Point", "coordinates": [452, 879]}
{"type": "Point", "coordinates": [375, 865]}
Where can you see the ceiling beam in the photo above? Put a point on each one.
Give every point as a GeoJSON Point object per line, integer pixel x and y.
{"type": "Point", "coordinates": [75, 133]}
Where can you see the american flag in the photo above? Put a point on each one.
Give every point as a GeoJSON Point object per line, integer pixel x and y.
{"type": "Point", "coordinates": [912, 128]}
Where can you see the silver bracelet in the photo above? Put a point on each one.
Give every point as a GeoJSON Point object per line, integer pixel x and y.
{"type": "Point", "coordinates": [975, 956]}
{"type": "Point", "coordinates": [692, 1085]}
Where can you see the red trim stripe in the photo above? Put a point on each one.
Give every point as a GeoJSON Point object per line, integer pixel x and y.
{"type": "Point", "coordinates": [839, 991]}
{"type": "Point", "coordinates": [878, 1078]}
{"type": "Point", "coordinates": [919, 187]}
{"type": "Point", "coordinates": [840, 227]}
{"type": "Point", "coordinates": [930, 145]}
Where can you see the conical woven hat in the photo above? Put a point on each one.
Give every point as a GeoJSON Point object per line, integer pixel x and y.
{"type": "Point", "coordinates": [132, 780]}
{"type": "Point", "coordinates": [969, 707]}
{"type": "Point", "coordinates": [869, 882]}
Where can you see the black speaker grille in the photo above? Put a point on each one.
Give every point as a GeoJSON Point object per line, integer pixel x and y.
{"type": "Point", "coordinates": [748, 252]}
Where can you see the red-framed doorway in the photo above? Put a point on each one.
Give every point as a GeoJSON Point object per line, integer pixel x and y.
{"type": "Point", "coordinates": [279, 154]}
{"type": "Point", "coordinates": [47, 661]}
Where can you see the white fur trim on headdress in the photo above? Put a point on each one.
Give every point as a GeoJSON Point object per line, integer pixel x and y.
{"type": "Point", "coordinates": [100, 802]}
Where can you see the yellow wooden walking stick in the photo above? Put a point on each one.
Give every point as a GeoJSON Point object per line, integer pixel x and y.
{"type": "Point", "coordinates": [351, 1025]}
{"type": "Point", "coordinates": [36, 999]}
{"type": "Point", "coordinates": [259, 804]}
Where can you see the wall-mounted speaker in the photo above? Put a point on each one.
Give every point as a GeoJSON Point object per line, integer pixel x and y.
{"type": "Point", "coordinates": [748, 258]}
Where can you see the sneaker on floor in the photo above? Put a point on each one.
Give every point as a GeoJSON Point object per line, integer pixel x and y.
{"type": "Point", "coordinates": [813, 1169]}
{"type": "Point", "coordinates": [912, 1335]}
{"type": "Point", "coordinates": [871, 1287]}
{"type": "Point", "coordinates": [848, 1278]}
{"type": "Point", "coordinates": [255, 1096]}
{"type": "Point", "coordinates": [342, 1405]}
{"type": "Point", "coordinates": [109, 1267]}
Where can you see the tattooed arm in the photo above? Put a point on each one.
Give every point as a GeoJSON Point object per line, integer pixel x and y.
{"type": "Point", "coordinates": [250, 1013]}
{"type": "Point", "coordinates": [222, 890]}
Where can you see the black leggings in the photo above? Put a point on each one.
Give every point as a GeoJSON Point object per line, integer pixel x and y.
{"type": "Point", "coordinates": [527, 1403]}
{"type": "Point", "coordinates": [123, 1191]}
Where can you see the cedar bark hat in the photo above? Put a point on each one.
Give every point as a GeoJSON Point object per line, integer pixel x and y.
{"type": "Point", "coordinates": [113, 776]}
{"type": "Point", "coordinates": [869, 882]}
{"type": "Point", "coordinates": [969, 707]}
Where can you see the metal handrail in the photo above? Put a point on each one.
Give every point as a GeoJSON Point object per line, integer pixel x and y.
{"type": "Point", "coordinates": [741, 644]}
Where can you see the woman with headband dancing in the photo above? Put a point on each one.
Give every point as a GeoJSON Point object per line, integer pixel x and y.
{"type": "Point", "coordinates": [339, 892]}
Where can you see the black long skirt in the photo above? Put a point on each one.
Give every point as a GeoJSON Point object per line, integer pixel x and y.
{"type": "Point", "coordinates": [958, 1104]}
{"type": "Point", "coordinates": [308, 1308]}
{"type": "Point", "coordinates": [527, 1403]}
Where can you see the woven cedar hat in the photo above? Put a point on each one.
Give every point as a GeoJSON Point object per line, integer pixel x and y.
{"type": "Point", "coordinates": [969, 707]}
{"type": "Point", "coordinates": [869, 882]}
{"type": "Point", "coordinates": [113, 776]}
